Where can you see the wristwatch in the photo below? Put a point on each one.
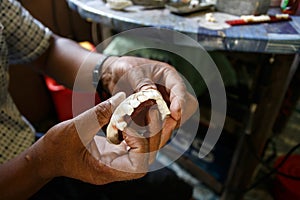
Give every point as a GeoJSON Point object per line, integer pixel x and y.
{"type": "Point", "coordinates": [96, 77]}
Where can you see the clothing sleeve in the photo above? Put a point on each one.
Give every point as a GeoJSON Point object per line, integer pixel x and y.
{"type": "Point", "coordinates": [26, 37]}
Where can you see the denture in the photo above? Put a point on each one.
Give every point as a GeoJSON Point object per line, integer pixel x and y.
{"type": "Point", "coordinates": [132, 106]}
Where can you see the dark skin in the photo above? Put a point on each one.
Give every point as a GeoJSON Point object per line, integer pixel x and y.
{"type": "Point", "coordinates": [71, 148]}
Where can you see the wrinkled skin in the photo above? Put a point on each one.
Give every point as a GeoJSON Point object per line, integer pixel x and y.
{"type": "Point", "coordinates": [91, 158]}
{"type": "Point", "coordinates": [71, 148]}
{"type": "Point", "coordinates": [132, 74]}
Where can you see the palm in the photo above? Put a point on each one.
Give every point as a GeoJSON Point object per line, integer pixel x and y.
{"type": "Point", "coordinates": [120, 157]}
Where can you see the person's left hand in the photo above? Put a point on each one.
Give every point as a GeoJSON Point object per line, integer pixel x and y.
{"type": "Point", "coordinates": [132, 74]}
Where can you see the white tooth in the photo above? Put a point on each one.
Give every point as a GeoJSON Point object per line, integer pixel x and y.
{"type": "Point", "coordinates": [121, 125]}
{"type": "Point", "coordinates": [163, 108]}
{"type": "Point", "coordinates": [125, 108]}
{"type": "Point", "coordinates": [157, 96]}
{"type": "Point", "coordinates": [134, 103]}
{"type": "Point", "coordinates": [152, 94]}
{"type": "Point", "coordinates": [159, 103]}
{"type": "Point", "coordinates": [128, 109]}
{"type": "Point", "coordinates": [149, 94]}
{"type": "Point", "coordinates": [116, 118]}
{"type": "Point", "coordinates": [120, 111]}
{"type": "Point", "coordinates": [142, 98]}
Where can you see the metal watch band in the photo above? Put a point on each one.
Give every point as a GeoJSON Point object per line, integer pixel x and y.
{"type": "Point", "coordinates": [97, 72]}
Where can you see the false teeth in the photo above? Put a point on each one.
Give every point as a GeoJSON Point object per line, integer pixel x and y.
{"type": "Point", "coordinates": [127, 107]}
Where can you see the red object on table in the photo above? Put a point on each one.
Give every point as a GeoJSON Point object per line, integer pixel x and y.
{"type": "Point", "coordinates": [287, 188]}
{"type": "Point", "coordinates": [273, 19]}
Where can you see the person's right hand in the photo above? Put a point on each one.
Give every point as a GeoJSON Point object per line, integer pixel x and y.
{"type": "Point", "coordinates": [73, 149]}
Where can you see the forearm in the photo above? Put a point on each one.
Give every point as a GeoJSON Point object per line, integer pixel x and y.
{"type": "Point", "coordinates": [21, 177]}
{"type": "Point", "coordinates": [67, 61]}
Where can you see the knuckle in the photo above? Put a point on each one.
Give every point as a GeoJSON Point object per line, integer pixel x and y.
{"type": "Point", "coordinates": [103, 111]}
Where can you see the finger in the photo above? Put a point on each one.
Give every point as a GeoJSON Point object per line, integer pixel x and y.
{"type": "Point", "coordinates": [182, 103]}
{"type": "Point", "coordinates": [170, 124]}
{"type": "Point", "coordinates": [190, 107]}
{"type": "Point", "coordinates": [155, 127]}
{"type": "Point", "coordinates": [167, 77]}
{"type": "Point", "coordinates": [140, 77]}
{"type": "Point", "coordinates": [176, 108]}
{"type": "Point", "coordinates": [88, 123]}
{"type": "Point", "coordinates": [168, 128]}
{"type": "Point", "coordinates": [136, 142]}
{"type": "Point", "coordinates": [176, 86]}
{"type": "Point", "coordinates": [137, 159]}
{"type": "Point", "coordinates": [108, 152]}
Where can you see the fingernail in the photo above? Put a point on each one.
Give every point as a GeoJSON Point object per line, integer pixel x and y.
{"type": "Point", "coordinates": [175, 109]}
{"type": "Point", "coordinates": [117, 99]}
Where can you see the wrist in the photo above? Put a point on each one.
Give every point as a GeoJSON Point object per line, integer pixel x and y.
{"type": "Point", "coordinates": [102, 74]}
{"type": "Point", "coordinates": [22, 176]}
{"type": "Point", "coordinates": [41, 165]}
{"type": "Point", "coordinates": [45, 154]}
{"type": "Point", "coordinates": [98, 71]}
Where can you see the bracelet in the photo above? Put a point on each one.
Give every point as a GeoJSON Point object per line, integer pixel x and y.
{"type": "Point", "coordinates": [96, 76]}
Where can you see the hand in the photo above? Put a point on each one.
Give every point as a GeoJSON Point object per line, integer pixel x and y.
{"type": "Point", "coordinates": [132, 74]}
{"type": "Point", "coordinates": [73, 149]}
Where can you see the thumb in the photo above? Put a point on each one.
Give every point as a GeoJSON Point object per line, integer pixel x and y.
{"type": "Point", "coordinates": [89, 122]}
